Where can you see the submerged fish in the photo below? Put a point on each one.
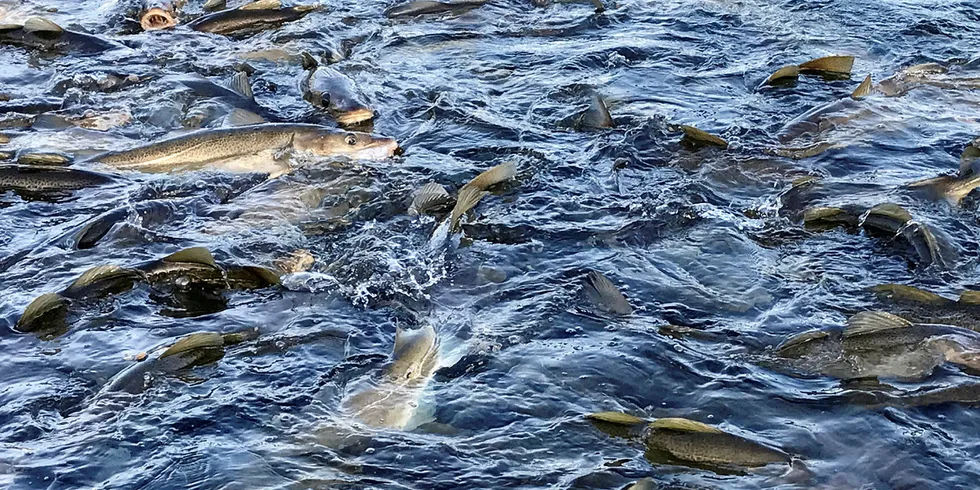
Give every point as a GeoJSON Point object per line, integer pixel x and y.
{"type": "Point", "coordinates": [426, 7]}
{"type": "Point", "coordinates": [159, 14]}
{"type": "Point", "coordinates": [920, 306]}
{"type": "Point", "coordinates": [876, 344]}
{"type": "Point", "coordinates": [392, 403]}
{"type": "Point", "coordinates": [684, 441]}
{"type": "Point", "coordinates": [597, 115]}
{"type": "Point", "coordinates": [43, 179]}
{"type": "Point", "coordinates": [196, 267]}
{"type": "Point", "coordinates": [251, 18]}
{"type": "Point", "coordinates": [254, 148]}
{"type": "Point", "coordinates": [953, 188]}
{"type": "Point", "coordinates": [605, 294]}
{"type": "Point", "coordinates": [42, 34]}
{"type": "Point", "coordinates": [47, 314]}
{"type": "Point", "coordinates": [329, 89]}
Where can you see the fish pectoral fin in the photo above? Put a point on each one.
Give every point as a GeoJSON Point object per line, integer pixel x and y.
{"type": "Point", "coordinates": [867, 322]}
{"type": "Point", "coordinates": [240, 83]}
{"type": "Point", "coordinates": [262, 5]}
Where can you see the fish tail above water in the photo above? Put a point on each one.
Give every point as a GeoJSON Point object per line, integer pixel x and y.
{"type": "Point", "coordinates": [867, 322]}
{"type": "Point", "coordinates": [46, 310]}
{"type": "Point", "coordinates": [863, 90]}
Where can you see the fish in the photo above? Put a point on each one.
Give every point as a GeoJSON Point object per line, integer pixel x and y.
{"type": "Point", "coordinates": [877, 344]}
{"type": "Point", "coordinates": [606, 295]}
{"type": "Point", "coordinates": [426, 7]}
{"type": "Point", "coordinates": [250, 18]}
{"type": "Point", "coordinates": [253, 148]}
{"type": "Point", "coordinates": [954, 188]}
{"type": "Point", "coordinates": [893, 220]}
{"type": "Point", "coordinates": [689, 442]}
{"type": "Point", "coordinates": [834, 65]}
{"type": "Point", "coordinates": [644, 484]}
{"type": "Point", "coordinates": [196, 267]}
{"type": "Point", "coordinates": [920, 306]}
{"type": "Point", "coordinates": [49, 180]}
{"type": "Point", "coordinates": [44, 35]}
{"type": "Point", "coordinates": [697, 138]}
{"type": "Point", "coordinates": [392, 403]}
{"type": "Point", "coordinates": [597, 115]}
{"type": "Point", "coordinates": [471, 193]}
{"type": "Point", "coordinates": [159, 14]}
{"type": "Point", "coordinates": [430, 196]}
{"type": "Point", "coordinates": [327, 88]}
{"type": "Point", "coordinates": [196, 349]}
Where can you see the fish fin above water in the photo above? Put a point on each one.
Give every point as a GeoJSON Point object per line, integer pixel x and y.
{"type": "Point", "coordinates": [40, 24]}
{"type": "Point", "coordinates": [429, 196]}
{"type": "Point", "coordinates": [467, 199]}
{"type": "Point", "coordinates": [96, 274]}
{"type": "Point", "coordinates": [698, 136]}
{"type": "Point", "coordinates": [212, 5]}
{"type": "Point", "coordinates": [644, 484]}
{"type": "Point", "coordinates": [684, 425]}
{"type": "Point", "coordinates": [829, 64]}
{"type": "Point", "coordinates": [240, 83]}
{"type": "Point", "coordinates": [970, 298]}
{"type": "Point", "coordinates": [194, 341]}
{"type": "Point", "coordinates": [783, 74]}
{"type": "Point", "coordinates": [619, 418]}
{"type": "Point", "coordinates": [266, 275]}
{"type": "Point", "coordinates": [597, 115]}
{"type": "Point", "coordinates": [39, 308]}
{"type": "Point", "coordinates": [193, 255]}
{"type": "Point", "coordinates": [888, 217]}
{"type": "Point", "coordinates": [862, 90]}
{"type": "Point", "coordinates": [608, 294]}
{"type": "Point", "coordinates": [937, 187]}
{"type": "Point", "coordinates": [262, 5]}
{"type": "Point", "coordinates": [494, 175]}
{"type": "Point", "coordinates": [309, 62]}
{"type": "Point", "coordinates": [901, 292]}
{"type": "Point", "coordinates": [242, 117]}
{"type": "Point", "coordinates": [867, 322]}
{"type": "Point", "coordinates": [969, 157]}
{"type": "Point", "coordinates": [801, 339]}
{"type": "Point", "coordinates": [931, 250]}
{"type": "Point", "coordinates": [233, 338]}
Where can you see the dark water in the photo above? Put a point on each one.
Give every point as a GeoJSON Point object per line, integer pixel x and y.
{"type": "Point", "coordinates": [696, 238]}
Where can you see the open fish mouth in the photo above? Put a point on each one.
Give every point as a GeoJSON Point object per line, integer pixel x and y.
{"type": "Point", "coordinates": [348, 118]}
{"type": "Point", "coordinates": [156, 18]}
{"type": "Point", "coordinates": [378, 150]}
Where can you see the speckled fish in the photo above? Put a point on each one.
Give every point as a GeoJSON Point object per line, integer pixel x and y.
{"type": "Point", "coordinates": [42, 34]}
{"type": "Point", "coordinates": [426, 7]}
{"type": "Point", "coordinates": [196, 266]}
{"type": "Point", "coordinates": [255, 148]}
{"type": "Point", "coordinates": [392, 403]}
{"type": "Point", "coordinates": [920, 306]}
{"type": "Point", "coordinates": [329, 89]}
{"type": "Point", "coordinates": [42, 180]}
{"type": "Point", "coordinates": [159, 14]}
{"type": "Point", "coordinates": [684, 441]}
{"type": "Point", "coordinates": [251, 18]}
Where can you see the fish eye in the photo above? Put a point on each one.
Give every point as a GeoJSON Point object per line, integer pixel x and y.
{"type": "Point", "coordinates": [351, 139]}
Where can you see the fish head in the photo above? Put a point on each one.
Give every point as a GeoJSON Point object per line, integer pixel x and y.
{"type": "Point", "coordinates": [157, 18]}
{"type": "Point", "coordinates": [351, 144]}
{"type": "Point", "coordinates": [415, 354]}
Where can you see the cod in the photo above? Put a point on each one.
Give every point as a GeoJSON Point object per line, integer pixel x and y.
{"type": "Point", "coordinates": [261, 148]}
{"type": "Point", "coordinates": [393, 401]}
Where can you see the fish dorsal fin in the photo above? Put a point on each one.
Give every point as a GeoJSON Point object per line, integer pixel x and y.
{"type": "Point", "coordinates": [597, 115]}
{"type": "Point", "coordinates": [232, 338]}
{"type": "Point", "coordinates": [901, 292]}
{"type": "Point", "coordinates": [609, 295]}
{"type": "Point", "coordinates": [194, 341]}
{"type": "Point", "coordinates": [684, 425]}
{"type": "Point", "coordinates": [970, 298]}
{"type": "Point", "coordinates": [240, 84]}
{"type": "Point", "coordinates": [309, 62]}
{"type": "Point", "coordinates": [867, 322]}
{"type": "Point", "coordinates": [212, 5]}
{"type": "Point", "coordinates": [494, 175]}
{"type": "Point", "coordinates": [786, 72]}
{"type": "Point", "coordinates": [429, 196]}
{"type": "Point", "coordinates": [266, 275]}
{"type": "Point", "coordinates": [42, 305]}
{"type": "Point", "coordinates": [40, 24]}
{"type": "Point", "coordinates": [801, 339]}
{"type": "Point", "coordinates": [262, 5]}
{"type": "Point", "coordinates": [829, 64]}
{"type": "Point", "coordinates": [862, 90]}
{"type": "Point", "coordinates": [242, 117]}
{"type": "Point", "coordinates": [97, 274]}
{"type": "Point", "coordinates": [193, 255]}
{"type": "Point", "coordinates": [702, 137]}
{"type": "Point", "coordinates": [467, 199]}
{"type": "Point", "coordinates": [618, 418]}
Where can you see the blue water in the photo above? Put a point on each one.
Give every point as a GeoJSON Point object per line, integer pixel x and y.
{"type": "Point", "coordinates": [694, 238]}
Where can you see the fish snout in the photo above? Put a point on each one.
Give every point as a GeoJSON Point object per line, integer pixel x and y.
{"type": "Point", "coordinates": [157, 18]}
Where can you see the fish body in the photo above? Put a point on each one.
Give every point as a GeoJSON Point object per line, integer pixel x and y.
{"type": "Point", "coordinates": [327, 88]}
{"type": "Point", "coordinates": [41, 179]}
{"type": "Point", "coordinates": [392, 403]}
{"type": "Point", "coordinates": [254, 148]}
{"type": "Point", "coordinates": [248, 21]}
{"type": "Point", "coordinates": [712, 448]}
{"type": "Point", "coordinates": [44, 35]}
{"type": "Point", "coordinates": [412, 9]}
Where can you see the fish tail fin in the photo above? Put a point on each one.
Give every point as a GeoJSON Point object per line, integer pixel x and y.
{"type": "Point", "coordinates": [467, 199]}
{"type": "Point", "coordinates": [43, 306]}
{"type": "Point", "coordinates": [862, 90]}
{"type": "Point", "coordinates": [240, 83]}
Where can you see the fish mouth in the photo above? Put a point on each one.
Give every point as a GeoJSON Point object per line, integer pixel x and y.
{"type": "Point", "coordinates": [156, 18]}
{"type": "Point", "coordinates": [348, 118]}
{"type": "Point", "coordinates": [380, 149]}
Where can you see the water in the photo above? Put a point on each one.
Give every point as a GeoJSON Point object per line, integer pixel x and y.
{"type": "Point", "coordinates": [695, 238]}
